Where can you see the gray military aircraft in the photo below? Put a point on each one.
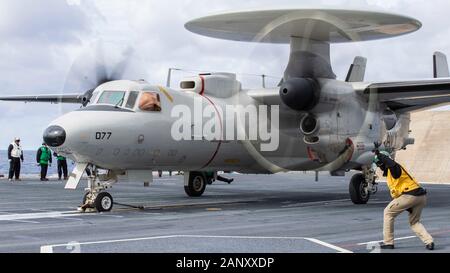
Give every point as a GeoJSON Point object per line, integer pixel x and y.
{"type": "Point", "coordinates": [311, 122]}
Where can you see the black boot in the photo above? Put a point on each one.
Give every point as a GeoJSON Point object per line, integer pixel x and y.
{"type": "Point", "coordinates": [223, 179]}
{"type": "Point", "coordinates": [385, 246]}
{"type": "Point", "coordinates": [430, 247]}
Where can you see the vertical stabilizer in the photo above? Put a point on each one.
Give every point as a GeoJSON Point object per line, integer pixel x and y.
{"type": "Point", "coordinates": [357, 70]}
{"type": "Point", "coordinates": [440, 65]}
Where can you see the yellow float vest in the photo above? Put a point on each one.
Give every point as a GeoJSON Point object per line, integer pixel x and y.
{"type": "Point", "coordinates": [404, 184]}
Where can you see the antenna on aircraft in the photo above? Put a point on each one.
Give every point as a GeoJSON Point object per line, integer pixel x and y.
{"type": "Point", "coordinates": [169, 76]}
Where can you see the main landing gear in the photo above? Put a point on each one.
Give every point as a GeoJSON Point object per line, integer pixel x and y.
{"type": "Point", "coordinates": [96, 197]}
{"type": "Point", "coordinates": [195, 182]}
{"type": "Point", "coordinates": [362, 186]}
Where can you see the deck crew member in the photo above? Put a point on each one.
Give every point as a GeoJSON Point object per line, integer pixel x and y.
{"type": "Point", "coordinates": [15, 156]}
{"type": "Point", "coordinates": [62, 166]}
{"type": "Point", "coordinates": [408, 196]}
{"type": "Point", "coordinates": [44, 159]}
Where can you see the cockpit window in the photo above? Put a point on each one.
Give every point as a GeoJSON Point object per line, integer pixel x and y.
{"type": "Point", "coordinates": [112, 97]}
{"type": "Point", "coordinates": [132, 98]}
{"type": "Point", "coordinates": [150, 102]}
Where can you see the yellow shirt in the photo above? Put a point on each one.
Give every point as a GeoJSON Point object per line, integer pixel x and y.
{"type": "Point", "coordinates": [404, 184]}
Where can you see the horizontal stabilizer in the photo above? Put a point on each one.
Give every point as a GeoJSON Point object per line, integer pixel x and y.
{"type": "Point", "coordinates": [357, 70]}
{"type": "Point", "coordinates": [440, 65]}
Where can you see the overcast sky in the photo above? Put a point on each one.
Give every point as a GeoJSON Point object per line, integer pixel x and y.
{"type": "Point", "coordinates": [51, 46]}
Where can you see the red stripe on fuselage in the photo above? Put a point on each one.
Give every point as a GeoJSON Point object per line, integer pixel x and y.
{"type": "Point", "coordinates": [202, 92]}
{"type": "Point", "coordinates": [221, 128]}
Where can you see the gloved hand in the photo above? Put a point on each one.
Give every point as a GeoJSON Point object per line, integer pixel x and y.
{"type": "Point", "coordinates": [38, 164]}
{"type": "Point", "coordinates": [377, 147]}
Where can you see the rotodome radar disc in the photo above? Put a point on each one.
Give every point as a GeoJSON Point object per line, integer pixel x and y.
{"type": "Point", "coordinates": [325, 25]}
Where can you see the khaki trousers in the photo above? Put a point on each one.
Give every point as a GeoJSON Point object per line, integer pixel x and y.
{"type": "Point", "coordinates": [414, 205]}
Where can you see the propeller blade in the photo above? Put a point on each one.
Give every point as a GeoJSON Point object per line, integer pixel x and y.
{"type": "Point", "coordinates": [101, 70]}
{"type": "Point", "coordinates": [119, 70]}
{"type": "Point", "coordinates": [93, 68]}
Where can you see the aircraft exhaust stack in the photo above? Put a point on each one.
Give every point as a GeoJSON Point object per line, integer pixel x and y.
{"type": "Point", "coordinates": [309, 125]}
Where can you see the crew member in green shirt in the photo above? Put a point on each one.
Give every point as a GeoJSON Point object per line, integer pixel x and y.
{"type": "Point", "coordinates": [62, 166]}
{"type": "Point", "coordinates": [44, 159]}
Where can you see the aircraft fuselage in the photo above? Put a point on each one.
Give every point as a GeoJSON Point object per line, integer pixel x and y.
{"type": "Point", "coordinates": [121, 138]}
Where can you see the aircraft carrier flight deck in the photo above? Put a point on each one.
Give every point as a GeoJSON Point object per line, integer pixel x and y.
{"type": "Point", "coordinates": [285, 213]}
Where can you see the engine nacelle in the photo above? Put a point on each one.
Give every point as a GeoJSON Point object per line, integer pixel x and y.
{"type": "Point", "coordinates": [330, 127]}
{"type": "Point", "coordinates": [300, 94]}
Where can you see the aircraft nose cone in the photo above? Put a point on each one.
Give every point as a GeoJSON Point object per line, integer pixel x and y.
{"type": "Point", "coordinates": [54, 136]}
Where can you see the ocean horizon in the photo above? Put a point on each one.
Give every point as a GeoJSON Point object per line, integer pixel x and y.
{"type": "Point", "coordinates": [29, 166]}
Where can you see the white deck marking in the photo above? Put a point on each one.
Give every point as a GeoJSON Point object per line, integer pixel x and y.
{"type": "Point", "coordinates": [25, 221]}
{"type": "Point", "coordinates": [338, 249]}
{"type": "Point", "coordinates": [111, 216]}
{"type": "Point", "coordinates": [38, 215]}
{"type": "Point", "coordinates": [398, 239]}
{"type": "Point", "coordinates": [49, 248]}
{"type": "Point", "coordinates": [46, 249]}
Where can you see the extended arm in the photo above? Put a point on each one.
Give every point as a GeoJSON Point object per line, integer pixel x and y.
{"type": "Point", "coordinates": [394, 167]}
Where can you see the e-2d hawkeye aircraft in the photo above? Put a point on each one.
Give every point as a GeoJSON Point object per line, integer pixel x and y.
{"type": "Point", "coordinates": [125, 128]}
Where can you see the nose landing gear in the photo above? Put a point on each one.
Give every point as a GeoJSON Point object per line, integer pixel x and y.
{"type": "Point", "coordinates": [102, 202]}
{"type": "Point", "coordinates": [96, 197]}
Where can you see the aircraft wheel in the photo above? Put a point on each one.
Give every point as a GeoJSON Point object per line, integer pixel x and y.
{"type": "Point", "coordinates": [104, 202]}
{"type": "Point", "coordinates": [197, 184]}
{"type": "Point", "coordinates": [358, 192]}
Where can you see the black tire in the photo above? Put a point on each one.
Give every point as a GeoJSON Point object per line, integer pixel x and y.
{"type": "Point", "coordinates": [197, 184]}
{"type": "Point", "coordinates": [104, 202]}
{"type": "Point", "coordinates": [357, 192]}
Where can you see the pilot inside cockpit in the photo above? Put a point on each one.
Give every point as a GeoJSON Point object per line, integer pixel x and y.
{"type": "Point", "coordinates": [150, 101]}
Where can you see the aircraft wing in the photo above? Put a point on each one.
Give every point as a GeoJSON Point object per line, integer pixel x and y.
{"type": "Point", "coordinates": [410, 96]}
{"type": "Point", "coordinates": [66, 98]}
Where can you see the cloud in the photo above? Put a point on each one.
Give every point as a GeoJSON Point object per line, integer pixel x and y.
{"type": "Point", "coordinates": [37, 41]}
{"type": "Point", "coordinates": [45, 21]}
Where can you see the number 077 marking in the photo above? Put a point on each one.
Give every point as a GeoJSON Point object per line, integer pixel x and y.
{"type": "Point", "coordinates": [103, 135]}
